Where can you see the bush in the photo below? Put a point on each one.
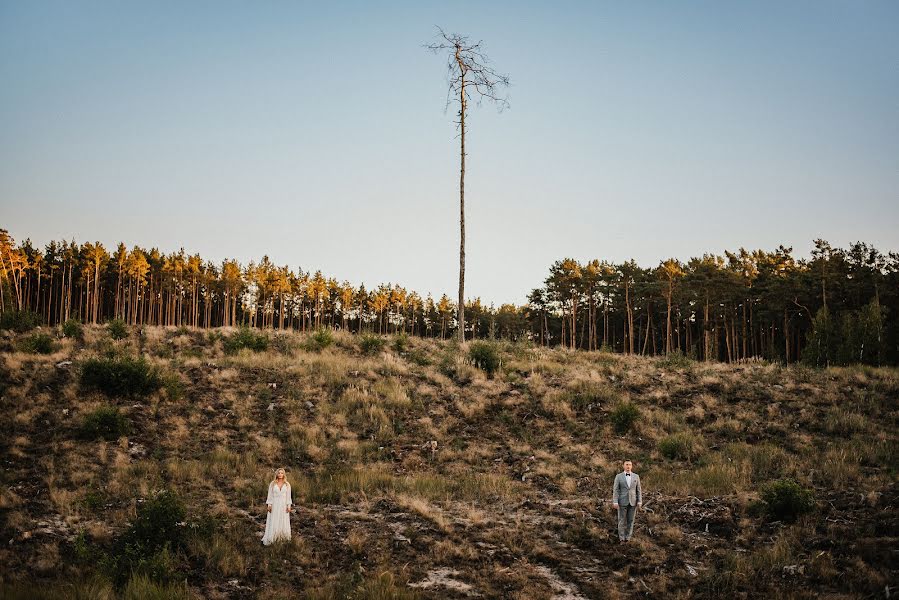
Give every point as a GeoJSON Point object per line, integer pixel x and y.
{"type": "Point", "coordinates": [484, 356]}
{"type": "Point", "coordinates": [19, 321]}
{"type": "Point", "coordinates": [38, 343]}
{"type": "Point", "coordinates": [418, 357]}
{"type": "Point", "coordinates": [117, 328]}
{"type": "Point", "coordinates": [785, 500]}
{"type": "Point", "coordinates": [318, 341]}
{"type": "Point", "coordinates": [401, 343]}
{"type": "Point", "coordinates": [623, 417]}
{"type": "Point", "coordinates": [147, 547]}
{"type": "Point", "coordinates": [246, 338]}
{"type": "Point", "coordinates": [174, 387]}
{"type": "Point", "coordinates": [73, 329]}
{"type": "Point", "coordinates": [684, 446]}
{"type": "Point", "coordinates": [283, 344]}
{"type": "Point", "coordinates": [105, 422]}
{"type": "Point", "coordinates": [372, 344]}
{"type": "Point", "coordinates": [675, 360]}
{"type": "Point", "coordinates": [120, 377]}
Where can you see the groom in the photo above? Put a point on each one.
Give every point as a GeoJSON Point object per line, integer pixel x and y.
{"type": "Point", "coordinates": [626, 497]}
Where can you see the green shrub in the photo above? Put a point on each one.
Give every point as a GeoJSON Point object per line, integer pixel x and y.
{"type": "Point", "coordinates": [105, 422]}
{"type": "Point", "coordinates": [148, 546]}
{"type": "Point", "coordinates": [120, 377]}
{"type": "Point", "coordinates": [370, 343]}
{"type": "Point", "coordinates": [684, 446]}
{"type": "Point", "coordinates": [38, 343]}
{"type": "Point", "coordinates": [174, 387]}
{"type": "Point", "coordinates": [675, 360]}
{"type": "Point", "coordinates": [786, 500]}
{"type": "Point", "coordinates": [73, 329]}
{"type": "Point", "coordinates": [319, 340]}
{"type": "Point", "coordinates": [19, 321]}
{"type": "Point", "coordinates": [246, 338]}
{"type": "Point", "coordinates": [283, 344]}
{"type": "Point", "coordinates": [419, 357]}
{"type": "Point", "coordinates": [117, 328]}
{"type": "Point", "coordinates": [484, 356]}
{"type": "Point", "coordinates": [623, 417]}
{"type": "Point", "coordinates": [401, 343]}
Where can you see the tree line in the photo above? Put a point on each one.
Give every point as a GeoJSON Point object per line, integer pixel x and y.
{"type": "Point", "coordinates": [837, 307]}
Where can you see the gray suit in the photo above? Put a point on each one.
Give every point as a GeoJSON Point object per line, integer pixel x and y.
{"type": "Point", "coordinates": [627, 498]}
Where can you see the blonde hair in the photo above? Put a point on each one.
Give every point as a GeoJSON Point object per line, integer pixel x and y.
{"type": "Point", "coordinates": [275, 480]}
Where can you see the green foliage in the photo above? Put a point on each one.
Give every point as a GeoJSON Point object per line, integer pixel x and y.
{"type": "Point", "coordinates": [246, 338]}
{"type": "Point", "coordinates": [623, 416]}
{"type": "Point", "coordinates": [419, 357]}
{"type": "Point", "coordinates": [73, 329]}
{"type": "Point", "coordinates": [147, 548]}
{"type": "Point", "coordinates": [120, 376]}
{"type": "Point", "coordinates": [675, 360]}
{"type": "Point", "coordinates": [485, 356]}
{"type": "Point", "coordinates": [683, 446]}
{"type": "Point", "coordinates": [38, 343]}
{"type": "Point", "coordinates": [786, 500]}
{"type": "Point", "coordinates": [400, 343]}
{"type": "Point", "coordinates": [105, 422]}
{"type": "Point", "coordinates": [117, 328]}
{"type": "Point", "coordinates": [854, 337]}
{"type": "Point", "coordinates": [19, 321]}
{"type": "Point", "coordinates": [174, 387]}
{"type": "Point", "coordinates": [370, 343]}
{"type": "Point", "coordinates": [283, 344]}
{"type": "Point", "coordinates": [319, 340]}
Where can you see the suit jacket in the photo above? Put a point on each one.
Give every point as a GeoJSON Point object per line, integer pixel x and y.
{"type": "Point", "coordinates": [624, 496]}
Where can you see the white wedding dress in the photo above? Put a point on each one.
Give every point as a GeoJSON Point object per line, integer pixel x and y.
{"type": "Point", "coordinates": [277, 523]}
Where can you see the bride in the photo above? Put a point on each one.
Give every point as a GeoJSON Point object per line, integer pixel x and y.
{"type": "Point", "coordinates": [280, 504]}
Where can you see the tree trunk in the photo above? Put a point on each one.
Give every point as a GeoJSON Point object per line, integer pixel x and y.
{"type": "Point", "coordinates": [463, 106]}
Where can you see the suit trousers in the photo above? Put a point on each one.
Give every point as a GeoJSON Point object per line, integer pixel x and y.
{"type": "Point", "coordinates": [626, 514]}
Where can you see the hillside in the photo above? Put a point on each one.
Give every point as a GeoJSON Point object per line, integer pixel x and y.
{"type": "Point", "coordinates": [418, 475]}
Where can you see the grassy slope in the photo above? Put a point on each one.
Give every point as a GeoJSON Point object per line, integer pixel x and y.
{"type": "Point", "coordinates": [513, 502]}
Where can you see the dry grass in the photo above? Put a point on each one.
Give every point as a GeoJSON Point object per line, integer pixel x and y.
{"type": "Point", "coordinates": [513, 497]}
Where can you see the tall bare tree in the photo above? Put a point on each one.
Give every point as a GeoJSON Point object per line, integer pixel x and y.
{"type": "Point", "coordinates": [469, 75]}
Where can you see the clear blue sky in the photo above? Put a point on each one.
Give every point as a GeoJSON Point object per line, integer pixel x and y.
{"type": "Point", "coordinates": [316, 132]}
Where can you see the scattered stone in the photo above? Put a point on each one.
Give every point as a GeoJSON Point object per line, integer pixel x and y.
{"type": "Point", "coordinates": [691, 570]}
{"type": "Point", "coordinates": [64, 364]}
{"type": "Point", "coordinates": [271, 407]}
{"type": "Point", "coordinates": [430, 445]}
{"type": "Point", "coordinates": [65, 412]}
{"type": "Point", "coordinates": [778, 387]}
{"type": "Point", "coordinates": [274, 386]}
{"type": "Point", "coordinates": [793, 570]}
{"type": "Point", "coordinates": [137, 450]}
{"type": "Point", "coordinates": [399, 537]}
{"type": "Point", "coordinates": [309, 405]}
{"type": "Point", "coordinates": [445, 578]}
{"type": "Point", "coordinates": [561, 589]}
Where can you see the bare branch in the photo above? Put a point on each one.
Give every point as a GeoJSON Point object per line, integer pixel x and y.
{"type": "Point", "coordinates": [468, 68]}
